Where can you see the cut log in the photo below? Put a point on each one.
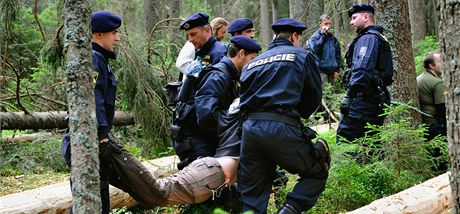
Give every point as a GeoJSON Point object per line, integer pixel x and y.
{"type": "Point", "coordinates": [57, 198]}
{"type": "Point", "coordinates": [431, 197]}
{"type": "Point", "coordinates": [49, 120]}
{"type": "Point", "coordinates": [25, 137]}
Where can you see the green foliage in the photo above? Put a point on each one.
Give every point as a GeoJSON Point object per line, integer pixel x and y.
{"type": "Point", "coordinates": [421, 49]}
{"type": "Point", "coordinates": [404, 147]}
{"type": "Point", "coordinates": [144, 94]}
{"type": "Point", "coordinates": [39, 156]}
{"type": "Point", "coordinates": [194, 6]}
{"type": "Point", "coordinates": [396, 157]}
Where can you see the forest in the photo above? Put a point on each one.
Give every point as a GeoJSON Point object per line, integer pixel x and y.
{"type": "Point", "coordinates": [39, 82]}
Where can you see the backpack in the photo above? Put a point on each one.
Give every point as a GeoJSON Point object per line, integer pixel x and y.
{"type": "Point", "coordinates": [383, 60]}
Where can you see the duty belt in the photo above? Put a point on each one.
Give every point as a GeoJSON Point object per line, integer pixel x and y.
{"type": "Point", "coordinates": [275, 117]}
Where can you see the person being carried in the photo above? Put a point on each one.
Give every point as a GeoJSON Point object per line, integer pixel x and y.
{"type": "Point", "coordinates": [206, 176]}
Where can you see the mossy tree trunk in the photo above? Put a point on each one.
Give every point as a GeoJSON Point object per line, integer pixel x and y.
{"type": "Point", "coordinates": [393, 16]}
{"type": "Point", "coordinates": [450, 47]}
{"type": "Point", "coordinates": [82, 123]}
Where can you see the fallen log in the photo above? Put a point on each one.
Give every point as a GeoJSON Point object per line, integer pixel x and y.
{"type": "Point", "coordinates": [57, 198]}
{"type": "Point", "coordinates": [49, 120]}
{"type": "Point", "coordinates": [25, 137]}
{"type": "Point", "coordinates": [431, 197]}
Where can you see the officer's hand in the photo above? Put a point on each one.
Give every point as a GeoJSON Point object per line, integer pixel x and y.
{"type": "Point", "coordinates": [345, 105]}
{"type": "Point", "coordinates": [108, 148]}
{"type": "Point", "coordinates": [322, 152]}
{"type": "Point", "coordinates": [336, 75]}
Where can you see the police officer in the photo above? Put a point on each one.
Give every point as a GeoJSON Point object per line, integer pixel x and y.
{"type": "Point", "coordinates": [189, 141]}
{"type": "Point", "coordinates": [200, 35]}
{"type": "Point", "coordinates": [105, 37]}
{"type": "Point", "coordinates": [242, 26]}
{"type": "Point", "coordinates": [370, 71]}
{"type": "Point", "coordinates": [219, 86]}
{"type": "Point", "coordinates": [277, 88]}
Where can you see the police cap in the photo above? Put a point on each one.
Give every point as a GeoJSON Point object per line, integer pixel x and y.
{"type": "Point", "coordinates": [240, 24]}
{"type": "Point", "coordinates": [360, 8]}
{"type": "Point", "coordinates": [195, 20]}
{"type": "Point", "coordinates": [104, 21]}
{"type": "Point", "coordinates": [245, 43]}
{"type": "Point", "coordinates": [288, 25]}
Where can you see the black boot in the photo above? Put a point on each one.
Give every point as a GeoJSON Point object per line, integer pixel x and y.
{"type": "Point", "coordinates": [287, 209]}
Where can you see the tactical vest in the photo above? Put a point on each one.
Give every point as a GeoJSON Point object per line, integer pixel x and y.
{"type": "Point", "coordinates": [382, 61]}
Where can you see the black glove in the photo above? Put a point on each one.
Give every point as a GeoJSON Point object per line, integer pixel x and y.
{"type": "Point", "coordinates": [322, 152]}
{"type": "Point", "coordinates": [108, 148]}
{"type": "Point", "coordinates": [345, 105]}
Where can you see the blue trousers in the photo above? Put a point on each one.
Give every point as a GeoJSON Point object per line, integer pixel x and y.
{"type": "Point", "coordinates": [266, 144]}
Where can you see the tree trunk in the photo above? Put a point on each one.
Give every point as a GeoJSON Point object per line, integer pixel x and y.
{"type": "Point", "coordinates": [432, 20]}
{"type": "Point", "coordinates": [174, 9]}
{"type": "Point", "coordinates": [449, 36]}
{"type": "Point", "coordinates": [275, 5]}
{"type": "Point", "coordinates": [417, 19]}
{"type": "Point", "coordinates": [152, 14]}
{"type": "Point", "coordinates": [265, 31]}
{"type": "Point", "coordinates": [394, 16]}
{"type": "Point", "coordinates": [82, 123]}
{"type": "Point", "coordinates": [307, 12]}
{"type": "Point", "coordinates": [341, 22]}
{"type": "Point", "coordinates": [49, 120]}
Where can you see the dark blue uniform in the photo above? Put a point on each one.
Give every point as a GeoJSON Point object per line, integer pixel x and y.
{"type": "Point", "coordinates": [215, 93]}
{"type": "Point", "coordinates": [211, 52]}
{"type": "Point", "coordinates": [371, 70]}
{"type": "Point", "coordinates": [105, 91]}
{"type": "Point", "coordinates": [277, 88]}
{"type": "Point", "coordinates": [191, 142]}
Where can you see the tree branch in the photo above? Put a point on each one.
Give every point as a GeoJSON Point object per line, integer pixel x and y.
{"type": "Point", "coordinates": [38, 22]}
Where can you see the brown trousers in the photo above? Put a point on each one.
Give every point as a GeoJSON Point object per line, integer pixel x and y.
{"type": "Point", "coordinates": [194, 184]}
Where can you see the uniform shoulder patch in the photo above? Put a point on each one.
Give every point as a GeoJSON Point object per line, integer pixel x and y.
{"type": "Point", "coordinates": [362, 51]}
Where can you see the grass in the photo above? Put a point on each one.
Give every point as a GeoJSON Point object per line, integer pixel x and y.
{"type": "Point", "coordinates": [19, 183]}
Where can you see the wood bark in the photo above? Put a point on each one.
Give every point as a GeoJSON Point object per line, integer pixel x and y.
{"type": "Point", "coordinates": [417, 19]}
{"type": "Point", "coordinates": [265, 30]}
{"type": "Point", "coordinates": [341, 22]}
{"type": "Point", "coordinates": [450, 47]}
{"type": "Point", "coordinates": [152, 14]}
{"type": "Point", "coordinates": [432, 19]}
{"type": "Point", "coordinates": [56, 198]}
{"type": "Point", "coordinates": [394, 17]}
{"type": "Point", "coordinates": [49, 120]}
{"type": "Point", "coordinates": [307, 12]}
{"type": "Point", "coordinates": [80, 95]}
{"type": "Point", "coordinates": [275, 5]}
